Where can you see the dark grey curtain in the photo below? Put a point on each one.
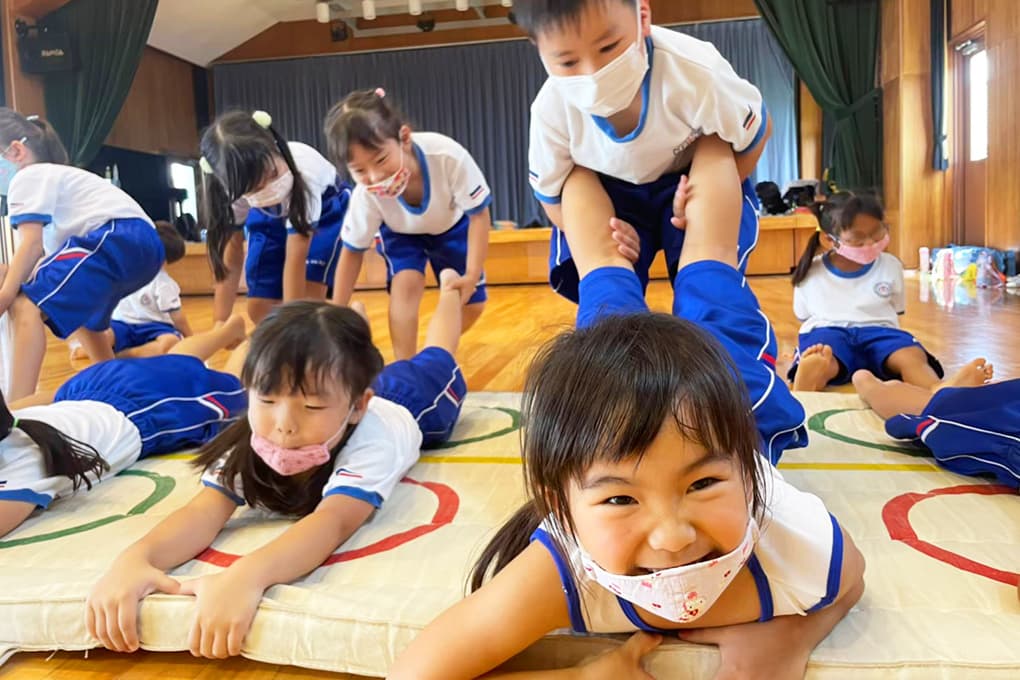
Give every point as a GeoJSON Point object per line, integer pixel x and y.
{"type": "Point", "coordinates": [480, 95]}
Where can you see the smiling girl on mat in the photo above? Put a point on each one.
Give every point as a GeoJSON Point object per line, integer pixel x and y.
{"type": "Point", "coordinates": [651, 507]}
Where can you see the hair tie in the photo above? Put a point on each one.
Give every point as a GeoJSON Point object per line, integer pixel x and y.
{"type": "Point", "coordinates": [204, 164]}
{"type": "Point", "coordinates": [262, 119]}
{"type": "Point", "coordinates": [380, 93]}
{"type": "Point", "coordinates": [15, 423]}
{"type": "Point", "coordinates": [32, 118]}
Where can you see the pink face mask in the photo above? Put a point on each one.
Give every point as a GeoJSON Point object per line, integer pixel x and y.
{"type": "Point", "coordinates": [862, 254]}
{"type": "Point", "coordinates": [289, 462]}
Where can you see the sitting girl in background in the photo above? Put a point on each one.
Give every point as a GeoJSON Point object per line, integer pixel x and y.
{"type": "Point", "coordinates": [971, 427]}
{"type": "Point", "coordinates": [849, 298]}
{"type": "Point", "coordinates": [654, 511]}
{"type": "Point", "coordinates": [327, 438]}
{"type": "Point", "coordinates": [424, 196]}
{"type": "Point", "coordinates": [111, 414]}
{"type": "Point", "coordinates": [85, 245]}
{"type": "Point", "coordinates": [287, 197]}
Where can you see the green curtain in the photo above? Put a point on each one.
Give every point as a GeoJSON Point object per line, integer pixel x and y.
{"type": "Point", "coordinates": [833, 46]}
{"type": "Point", "coordinates": [108, 37]}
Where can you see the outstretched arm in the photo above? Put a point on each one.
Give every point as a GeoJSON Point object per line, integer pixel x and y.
{"type": "Point", "coordinates": [227, 601]}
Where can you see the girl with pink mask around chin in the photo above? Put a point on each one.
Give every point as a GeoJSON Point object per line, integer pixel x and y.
{"type": "Point", "coordinates": [850, 297]}
{"type": "Point", "coordinates": [328, 436]}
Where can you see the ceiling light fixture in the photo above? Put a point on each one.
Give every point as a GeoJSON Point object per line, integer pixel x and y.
{"type": "Point", "coordinates": [414, 7]}
{"type": "Point", "coordinates": [322, 12]}
{"type": "Point", "coordinates": [368, 9]}
{"type": "Point", "coordinates": [462, 5]}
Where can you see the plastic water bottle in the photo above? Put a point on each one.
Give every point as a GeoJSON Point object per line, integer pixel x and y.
{"type": "Point", "coordinates": [924, 259]}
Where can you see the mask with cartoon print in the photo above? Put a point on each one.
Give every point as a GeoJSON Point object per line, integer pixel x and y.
{"type": "Point", "coordinates": [273, 193]}
{"type": "Point", "coordinates": [394, 185]}
{"type": "Point", "coordinates": [680, 594]}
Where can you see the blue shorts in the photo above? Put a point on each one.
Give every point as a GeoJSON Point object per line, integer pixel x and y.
{"type": "Point", "coordinates": [717, 298]}
{"type": "Point", "coordinates": [969, 430]}
{"type": "Point", "coordinates": [79, 285]}
{"type": "Point", "coordinates": [324, 249]}
{"type": "Point", "coordinates": [440, 251]}
{"type": "Point", "coordinates": [267, 245]}
{"type": "Point", "coordinates": [128, 335]}
{"type": "Point", "coordinates": [648, 208]}
{"type": "Point", "coordinates": [174, 400]}
{"type": "Point", "coordinates": [860, 347]}
{"type": "Point", "coordinates": [430, 386]}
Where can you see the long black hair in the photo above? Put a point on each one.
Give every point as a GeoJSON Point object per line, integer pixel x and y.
{"type": "Point", "coordinates": [38, 134]}
{"type": "Point", "coordinates": [603, 394]}
{"type": "Point", "coordinates": [835, 215]}
{"type": "Point", "coordinates": [364, 117]}
{"type": "Point", "coordinates": [240, 152]}
{"type": "Point", "coordinates": [63, 455]}
{"type": "Point", "coordinates": [300, 346]}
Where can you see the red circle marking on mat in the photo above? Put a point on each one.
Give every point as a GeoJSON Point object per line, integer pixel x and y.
{"type": "Point", "coordinates": [896, 515]}
{"type": "Point", "coordinates": [449, 503]}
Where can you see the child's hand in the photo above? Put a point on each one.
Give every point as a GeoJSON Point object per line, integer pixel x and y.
{"type": "Point", "coordinates": [627, 241]}
{"type": "Point", "coordinates": [683, 192]}
{"type": "Point", "coordinates": [748, 650]}
{"type": "Point", "coordinates": [624, 662]}
{"type": "Point", "coordinates": [111, 609]}
{"type": "Point", "coordinates": [465, 283]}
{"type": "Point", "coordinates": [226, 606]}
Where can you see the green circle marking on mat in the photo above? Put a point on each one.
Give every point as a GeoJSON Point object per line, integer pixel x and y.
{"type": "Point", "coordinates": [817, 423]}
{"type": "Point", "coordinates": [164, 485]}
{"type": "Point", "coordinates": [515, 424]}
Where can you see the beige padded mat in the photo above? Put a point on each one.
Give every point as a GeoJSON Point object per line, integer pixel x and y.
{"type": "Point", "coordinates": [941, 551]}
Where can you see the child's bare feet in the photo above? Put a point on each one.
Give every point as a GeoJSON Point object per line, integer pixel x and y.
{"type": "Point", "coordinates": [817, 366]}
{"type": "Point", "coordinates": [236, 328]}
{"type": "Point", "coordinates": [973, 374]}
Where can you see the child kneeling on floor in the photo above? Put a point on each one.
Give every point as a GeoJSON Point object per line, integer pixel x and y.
{"type": "Point", "coordinates": [328, 436]}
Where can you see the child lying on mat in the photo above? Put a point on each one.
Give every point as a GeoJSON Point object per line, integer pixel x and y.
{"type": "Point", "coordinates": [110, 415]}
{"type": "Point", "coordinates": [327, 438]}
{"type": "Point", "coordinates": [970, 427]}
{"type": "Point", "coordinates": [652, 507]}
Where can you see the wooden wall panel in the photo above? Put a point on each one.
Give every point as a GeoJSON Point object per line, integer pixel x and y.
{"type": "Point", "coordinates": [966, 13]}
{"type": "Point", "coordinates": [1002, 214]}
{"type": "Point", "coordinates": [913, 192]}
{"type": "Point", "coordinates": [24, 92]}
{"type": "Point", "coordinates": [158, 115]}
{"type": "Point", "coordinates": [810, 134]}
{"type": "Point", "coordinates": [308, 38]}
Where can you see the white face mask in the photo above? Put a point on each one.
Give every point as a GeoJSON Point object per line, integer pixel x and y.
{"type": "Point", "coordinates": [273, 193]}
{"type": "Point", "coordinates": [613, 87]}
{"type": "Point", "coordinates": [680, 594]}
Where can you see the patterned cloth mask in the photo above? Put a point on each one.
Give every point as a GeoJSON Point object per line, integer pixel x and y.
{"type": "Point", "coordinates": [680, 594]}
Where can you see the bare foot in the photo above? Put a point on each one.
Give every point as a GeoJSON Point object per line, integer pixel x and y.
{"type": "Point", "coordinates": [816, 368]}
{"type": "Point", "coordinates": [235, 326]}
{"type": "Point", "coordinates": [359, 307]}
{"type": "Point", "coordinates": [973, 374]}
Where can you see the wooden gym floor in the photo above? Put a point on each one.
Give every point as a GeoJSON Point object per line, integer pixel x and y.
{"type": "Point", "coordinates": [955, 324]}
